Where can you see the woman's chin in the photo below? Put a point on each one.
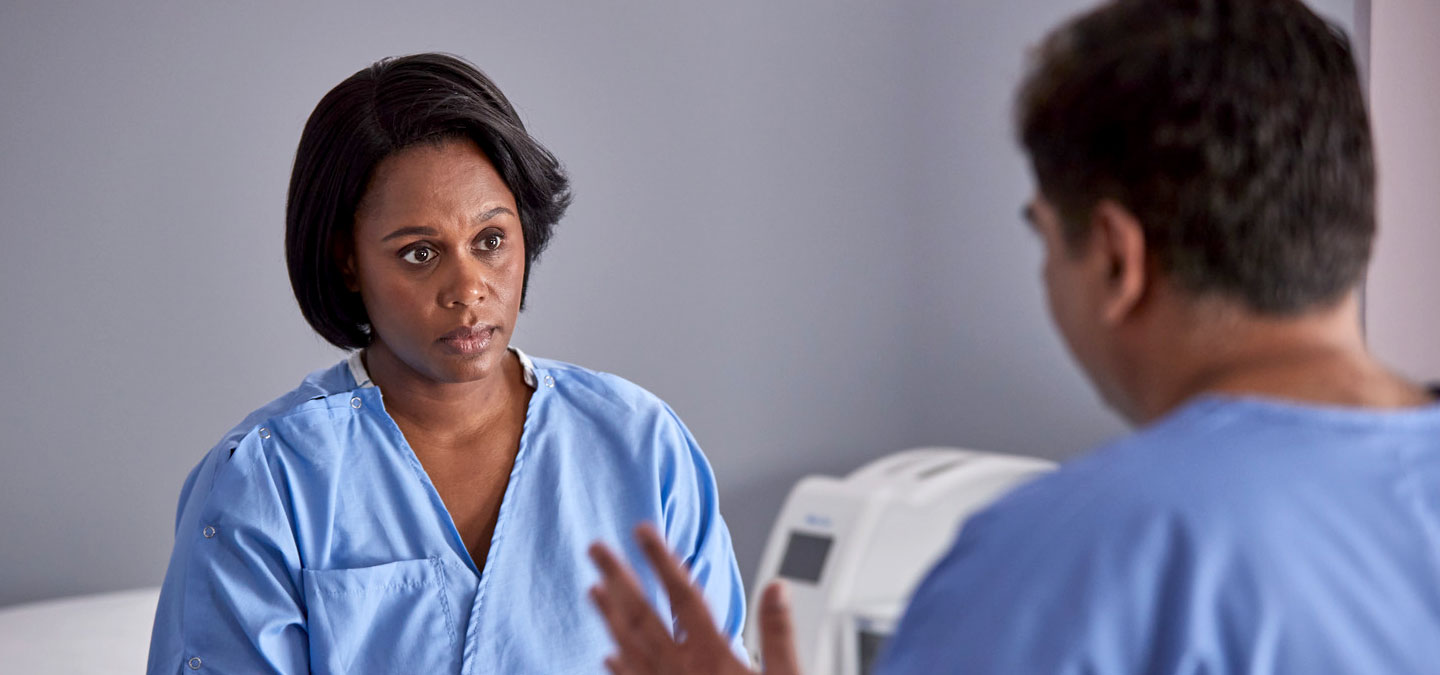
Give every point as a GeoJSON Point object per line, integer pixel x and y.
{"type": "Point", "coordinates": [461, 368]}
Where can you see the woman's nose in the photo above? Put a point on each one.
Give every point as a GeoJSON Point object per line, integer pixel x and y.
{"type": "Point", "coordinates": [464, 285]}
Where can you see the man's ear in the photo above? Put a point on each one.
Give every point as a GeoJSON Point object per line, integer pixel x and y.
{"type": "Point", "coordinates": [1117, 232]}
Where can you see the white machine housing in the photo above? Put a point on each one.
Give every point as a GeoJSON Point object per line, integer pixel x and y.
{"type": "Point", "coordinates": [852, 550]}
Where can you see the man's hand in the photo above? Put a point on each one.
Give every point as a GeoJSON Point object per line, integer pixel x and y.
{"type": "Point", "coordinates": [698, 648]}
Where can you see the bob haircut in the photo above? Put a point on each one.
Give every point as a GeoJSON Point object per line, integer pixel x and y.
{"type": "Point", "coordinates": [390, 106]}
{"type": "Point", "coordinates": [1235, 130]}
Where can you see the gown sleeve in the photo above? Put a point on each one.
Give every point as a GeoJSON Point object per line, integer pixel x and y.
{"type": "Point", "coordinates": [232, 597]}
{"type": "Point", "coordinates": [695, 529]}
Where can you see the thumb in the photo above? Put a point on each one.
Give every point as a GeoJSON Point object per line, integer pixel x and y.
{"type": "Point", "coordinates": [777, 633]}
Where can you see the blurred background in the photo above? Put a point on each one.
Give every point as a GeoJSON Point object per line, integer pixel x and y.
{"type": "Point", "coordinates": [797, 222]}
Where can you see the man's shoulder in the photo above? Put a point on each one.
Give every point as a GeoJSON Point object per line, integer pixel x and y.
{"type": "Point", "coordinates": [1078, 555]}
{"type": "Point", "coordinates": [1155, 467]}
{"type": "Point", "coordinates": [1229, 456]}
{"type": "Point", "coordinates": [1171, 530]}
{"type": "Point", "coordinates": [1222, 482]}
{"type": "Point", "coordinates": [1206, 473]}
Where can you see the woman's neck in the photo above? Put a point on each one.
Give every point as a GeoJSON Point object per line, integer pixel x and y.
{"type": "Point", "coordinates": [445, 410]}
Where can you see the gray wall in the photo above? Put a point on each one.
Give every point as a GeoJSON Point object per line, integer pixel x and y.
{"type": "Point", "coordinates": [1402, 310]}
{"type": "Point", "coordinates": [797, 222]}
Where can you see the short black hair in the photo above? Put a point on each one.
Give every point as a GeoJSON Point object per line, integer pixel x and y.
{"type": "Point", "coordinates": [1235, 130]}
{"type": "Point", "coordinates": [395, 104]}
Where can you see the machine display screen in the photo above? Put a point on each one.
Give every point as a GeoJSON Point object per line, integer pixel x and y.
{"type": "Point", "coordinates": [869, 643]}
{"type": "Point", "coordinates": [804, 557]}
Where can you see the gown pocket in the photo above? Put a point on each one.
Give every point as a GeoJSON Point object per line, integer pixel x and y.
{"type": "Point", "coordinates": [390, 618]}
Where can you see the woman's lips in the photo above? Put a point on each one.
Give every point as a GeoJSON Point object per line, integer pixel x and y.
{"type": "Point", "coordinates": [468, 340]}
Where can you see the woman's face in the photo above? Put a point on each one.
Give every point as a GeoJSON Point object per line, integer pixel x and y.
{"type": "Point", "coordinates": [439, 261]}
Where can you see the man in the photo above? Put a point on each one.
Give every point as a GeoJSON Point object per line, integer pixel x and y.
{"type": "Point", "coordinates": [1206, 203]}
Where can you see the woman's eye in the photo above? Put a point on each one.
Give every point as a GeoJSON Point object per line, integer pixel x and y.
{"type": "Point", "coordinates": [418, 255]}
{"type": "Point", "coordinates": [490, 242]}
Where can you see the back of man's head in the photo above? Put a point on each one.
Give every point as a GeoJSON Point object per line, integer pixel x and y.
{"type": "Point", "coordinates": [1234, 130]}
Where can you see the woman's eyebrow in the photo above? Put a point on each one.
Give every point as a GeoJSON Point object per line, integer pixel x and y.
{"type": "Point", "coordinates": [408, 231]}
{"type": "Point", "coordinates": [492, 213]}
{"type": "Point", "coordinates": [419, 230]}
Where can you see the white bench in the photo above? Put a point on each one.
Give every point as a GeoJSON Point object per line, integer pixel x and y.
{"type": "Point", "coordinates": [93, 634]}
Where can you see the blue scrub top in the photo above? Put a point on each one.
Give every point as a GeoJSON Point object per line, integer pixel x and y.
{"type": "Point", "coordinates": [310, 538]}
{"type": "Point", "coordinates": [1237, 535]}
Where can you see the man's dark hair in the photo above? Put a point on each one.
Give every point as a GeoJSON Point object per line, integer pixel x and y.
{"type": "Point", "coordinates": [1235, 130]}
{"type": "Point", "coordinates": [395, 104]}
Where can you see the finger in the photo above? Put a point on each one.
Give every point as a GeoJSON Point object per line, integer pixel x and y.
{"type": "Point", "coordinates": [618, 667]}
{"type": "Point", "coordinates": [626, 608]}
{"type": "Point", "coordinates": [777, 632]}
{"type": "Point", "coordinates": [685, 598]}
{"type": "Point", "coordinates": [612, 568]}
{"type": "Point", "coordinates": [623, 588]}
{"type": "Point", "coordinates": [638, 644]}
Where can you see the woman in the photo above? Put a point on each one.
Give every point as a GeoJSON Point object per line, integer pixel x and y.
{"type": "Point", "coordinates": [425, 505]}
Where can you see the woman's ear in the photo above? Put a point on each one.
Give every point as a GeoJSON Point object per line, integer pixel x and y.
{"type": "Point", "coordinates": [1121, 239]}
{"type": "Point", "coordinates": [346, 256]}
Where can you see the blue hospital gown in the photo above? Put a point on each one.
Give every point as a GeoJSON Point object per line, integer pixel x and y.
{"type": "Point", "coordinates": [1237, 535]}
{"type": "Point", "coordinates": [310, 538]}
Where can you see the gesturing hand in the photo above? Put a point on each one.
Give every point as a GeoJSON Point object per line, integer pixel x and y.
{"type": "Point", "coordinates": [646, 646]}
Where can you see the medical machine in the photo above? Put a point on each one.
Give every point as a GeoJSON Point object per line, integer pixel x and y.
{"type": "Point", "coordinates": [852, 550]}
